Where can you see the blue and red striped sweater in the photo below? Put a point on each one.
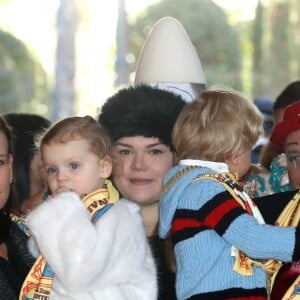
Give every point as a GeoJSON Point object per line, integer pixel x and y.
{"type": "Point", "coordinates": [205, 222]}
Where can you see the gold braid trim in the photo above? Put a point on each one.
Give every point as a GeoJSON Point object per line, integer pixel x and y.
{"type": "Point", "coordinates": [20, 220]}
{"type": "Point", "coordinates": [176, 177]}
{"type": "Point", "coordinates": [168, 246]}
{"type": "Point", "coordinates": [290, 216]}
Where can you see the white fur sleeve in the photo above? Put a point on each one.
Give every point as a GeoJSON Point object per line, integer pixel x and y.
{"type": "Point", "coordinates": [85, 256]}
{"type": "Point", "coordinates": [63, 232]}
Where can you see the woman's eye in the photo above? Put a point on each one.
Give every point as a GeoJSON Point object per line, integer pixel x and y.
{"type": "Point", "coordinates": [124, 152]}
{"type": "Point", "coordinates": [3, 161]}
{"type": "Point", "coordinates": [294, 160]}
{"type": "Point", "coordinates": [156, 151]}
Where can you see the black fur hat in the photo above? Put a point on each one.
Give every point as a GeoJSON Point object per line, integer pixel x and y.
{"type": "Point", "coordinates": [141, 111]}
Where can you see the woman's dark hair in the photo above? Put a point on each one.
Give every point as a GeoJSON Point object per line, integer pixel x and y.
{"type": "Point", "coordinates": [24, 126]}
{"type": "Point", "coordinates": [289, 95]}
{"type": "Point", "coordinates": [5, 211]}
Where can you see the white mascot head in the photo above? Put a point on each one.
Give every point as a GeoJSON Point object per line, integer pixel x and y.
{"type": "Point", "coordinates": [170, 61]}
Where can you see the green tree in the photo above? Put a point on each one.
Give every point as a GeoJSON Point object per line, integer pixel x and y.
{"type": "Point", "coordinates": [294, 29]}
{"type": "Point", "coordinates": [216, 41]}
{"type": "Point", "coordinates": [23, 83]}
{"type": "Point", "coordinates": [279, 51]}
{"type": "Point", "coordinates": [257, 40]}
{"type": "Point", "coordinates": [276, 46]}
{"type": "Point", "coordinates": [64, 95]}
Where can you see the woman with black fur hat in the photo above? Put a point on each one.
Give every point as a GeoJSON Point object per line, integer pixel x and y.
{"type": "Point", "coordinates": [140, 121]}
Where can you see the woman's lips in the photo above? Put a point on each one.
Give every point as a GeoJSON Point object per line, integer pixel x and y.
{"type": "Point", "coordinates": [140, 181]}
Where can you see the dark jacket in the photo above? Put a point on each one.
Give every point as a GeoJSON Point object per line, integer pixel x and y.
{"type": "Point", "coordinates": [14, 271]}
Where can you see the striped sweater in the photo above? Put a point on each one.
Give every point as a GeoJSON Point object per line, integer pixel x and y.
{"type": "Point", "coordinates": [206, 222]}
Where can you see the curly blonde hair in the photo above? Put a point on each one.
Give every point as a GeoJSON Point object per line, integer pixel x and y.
{"type": "Point", "coordinates": [74, 128]}
{"type": "Point", "coordinates": [220, 123]}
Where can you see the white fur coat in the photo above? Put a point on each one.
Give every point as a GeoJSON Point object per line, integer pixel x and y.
{"type": "Point", "coordinates": [109, 260]}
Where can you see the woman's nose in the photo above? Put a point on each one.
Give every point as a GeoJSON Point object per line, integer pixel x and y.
{"type": "Point", "coordinates": [139, 161]}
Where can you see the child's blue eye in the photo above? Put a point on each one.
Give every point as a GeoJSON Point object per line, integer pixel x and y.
{"type": "Point", "coordinates": [74, 166]}
{"type": "Point", "coordinates": [50, 170]}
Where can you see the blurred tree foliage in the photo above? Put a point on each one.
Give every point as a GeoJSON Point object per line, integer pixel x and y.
{"type": "Point", "coordinates": [64, 95]}
{"type": "Point", "coordinates": [258, 26]}
{"type": "Point", "coordinates": [23, 84]}
{"type": "Point", "coordinates": [276, 43]}
{"type": "Point", "coordinates": [279, 57]}
{"type": "Point", "coordinates": [216, 41]}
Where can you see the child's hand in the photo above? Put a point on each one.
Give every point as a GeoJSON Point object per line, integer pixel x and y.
{"type": "Point", "coordinates": [60, 190]}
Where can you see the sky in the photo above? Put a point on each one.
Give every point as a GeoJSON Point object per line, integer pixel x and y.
{"type": "Point", "coordinates": [33, 21]}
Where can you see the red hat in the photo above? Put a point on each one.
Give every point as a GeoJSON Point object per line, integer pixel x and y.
{"type": "Point", "coordinates": [290, 123]}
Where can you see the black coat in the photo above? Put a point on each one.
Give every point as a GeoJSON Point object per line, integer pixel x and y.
{"type": "Point", "coordinates": [14, 271]}
{"type": "Point", "coordinates": [272, 205]}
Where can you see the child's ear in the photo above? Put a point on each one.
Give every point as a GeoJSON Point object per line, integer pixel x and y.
{"type": "Point", "coordinates": [105, 165]}
{"type": "Point", "coordinates": [232, 160]}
